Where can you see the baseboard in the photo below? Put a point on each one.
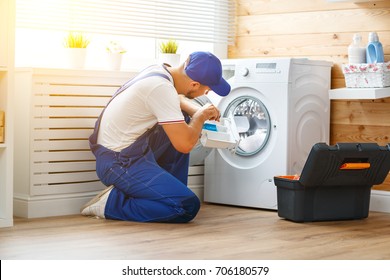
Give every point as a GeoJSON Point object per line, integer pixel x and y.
{"type": "Point", "coordinates": [6, 223]}
{"type": "Point", "coordinates": [61, 205]}
{"type": "Point", "coordinates": [69, 204]}
{"type": "Point", "coordinates": [50, 205]}
{"type": "Point", "coordinates": [380, 201]}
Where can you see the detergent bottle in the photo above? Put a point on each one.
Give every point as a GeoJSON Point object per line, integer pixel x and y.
{"type": "Point", "coordinates": [356, 50]}
{"type": "Point", "coordinates": [374, 49]}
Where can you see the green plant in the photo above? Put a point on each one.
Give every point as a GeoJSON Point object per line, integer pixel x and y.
{"type": "Point", "coordinates": [76, 40]}
{"type": "Point", "coordinates": [169, 46]}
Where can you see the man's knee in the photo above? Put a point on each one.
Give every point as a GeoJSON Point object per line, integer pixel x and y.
{"type": "Point", "coordinates": [191, 207]}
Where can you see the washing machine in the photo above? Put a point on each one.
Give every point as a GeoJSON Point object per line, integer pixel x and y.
{"type": "Point", "coordinates": [280, 108]}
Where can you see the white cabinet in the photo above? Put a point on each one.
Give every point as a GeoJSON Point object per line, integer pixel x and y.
{"type": "Point", "coordinates": [7, 8]}
{"type": "Point", "coordinates": [54, 169]}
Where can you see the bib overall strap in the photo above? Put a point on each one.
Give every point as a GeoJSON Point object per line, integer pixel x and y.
{"type": "Point", "coordinates": [134, 80]}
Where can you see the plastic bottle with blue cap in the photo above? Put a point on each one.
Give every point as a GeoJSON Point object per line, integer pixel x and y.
{"type": "Point", "coordinates": [374, 49]}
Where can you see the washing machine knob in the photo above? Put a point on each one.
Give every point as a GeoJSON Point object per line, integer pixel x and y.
{"type": "Point", "coordinates": [244, 72]}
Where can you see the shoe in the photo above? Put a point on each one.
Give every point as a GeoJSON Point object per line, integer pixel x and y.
{"type": "Point", "coordinates": [95, 207]}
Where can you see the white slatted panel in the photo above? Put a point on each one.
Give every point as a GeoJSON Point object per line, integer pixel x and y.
{"type": "Point", "coordinates": [64, 110]}
{"type": "Point", "coordinates": [196, 176]}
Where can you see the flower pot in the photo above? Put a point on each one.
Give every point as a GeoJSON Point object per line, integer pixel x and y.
{"type": "Point", "coordinates": [76, 57]}
{"type": "Point", "coordinates": [114, 61]}
{"type": "Point", "coordinates": [172, 59]}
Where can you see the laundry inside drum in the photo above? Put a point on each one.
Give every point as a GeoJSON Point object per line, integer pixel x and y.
{"type": "Point", "coordinates": [253, 124]}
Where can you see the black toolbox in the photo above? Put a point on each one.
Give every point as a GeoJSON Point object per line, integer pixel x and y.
{"type": "Point", "coordinates": [335, 183]}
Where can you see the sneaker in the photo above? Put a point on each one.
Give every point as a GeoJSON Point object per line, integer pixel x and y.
{"type": "Point", "coordinates": [95, 207]}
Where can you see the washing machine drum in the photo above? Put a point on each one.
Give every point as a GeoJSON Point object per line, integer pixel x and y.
{"type": "Point", "coordinates": [253, 124]}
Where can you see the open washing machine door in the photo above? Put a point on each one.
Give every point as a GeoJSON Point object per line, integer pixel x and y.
{"type": "Point", "coordinates": [253, 124]}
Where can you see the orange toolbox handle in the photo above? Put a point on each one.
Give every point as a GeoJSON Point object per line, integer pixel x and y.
{"type": "Point", "coordinates": [355, 165]}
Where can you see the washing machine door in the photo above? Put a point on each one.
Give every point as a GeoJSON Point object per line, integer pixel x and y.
{"type": "Point", "coordinates": [253, 124]}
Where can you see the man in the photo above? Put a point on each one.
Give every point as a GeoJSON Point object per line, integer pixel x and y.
{"type": "Point", "coordinates": [143, 138]}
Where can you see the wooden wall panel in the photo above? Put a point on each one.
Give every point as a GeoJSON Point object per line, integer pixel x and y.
{"type": "Point", "coordinates": [314, 22]}
{"type": "Point", "coordinates": [361, 112]}
{"type": "Point", "coordinates": [359, 133]}
{"type": "Point", "coordinates": [318, 29]}
{"type": "Point", "coordinates": [257, 7]}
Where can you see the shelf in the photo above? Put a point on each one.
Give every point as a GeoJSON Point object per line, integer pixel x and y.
{"type": "Point", "coordinates": [359, 93]}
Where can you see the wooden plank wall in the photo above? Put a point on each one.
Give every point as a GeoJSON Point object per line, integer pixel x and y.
{"type": "Point", "coordinates": [318, 29]}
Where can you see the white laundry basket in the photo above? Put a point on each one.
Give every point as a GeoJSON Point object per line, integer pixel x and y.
{"type": "Point", "coordinates": [367, 75]}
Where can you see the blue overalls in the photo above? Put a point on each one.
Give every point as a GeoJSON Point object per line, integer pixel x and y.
{"type": "Point", "coordinates": [149, 176]}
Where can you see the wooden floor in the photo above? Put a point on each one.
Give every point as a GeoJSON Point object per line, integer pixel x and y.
{"type": "Point", "coordinates": [218, 232]}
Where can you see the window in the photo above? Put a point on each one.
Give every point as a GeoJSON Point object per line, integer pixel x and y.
{"type": "Point", "coordinates": [138, 25]}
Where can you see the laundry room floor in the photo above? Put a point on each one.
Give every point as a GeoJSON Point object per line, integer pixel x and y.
{"type": "Point", "coordinates": [218, 232]}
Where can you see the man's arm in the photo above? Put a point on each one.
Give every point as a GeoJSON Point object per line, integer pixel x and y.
{"type": "Point", "coordinates": [184, 136]}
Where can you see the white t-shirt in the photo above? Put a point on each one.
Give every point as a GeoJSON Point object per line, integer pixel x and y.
{"type": "Point", "coordinates": [147, 102]}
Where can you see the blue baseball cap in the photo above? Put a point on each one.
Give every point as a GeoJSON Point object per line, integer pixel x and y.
{"type": "Point", "coordinates": [206, 68]}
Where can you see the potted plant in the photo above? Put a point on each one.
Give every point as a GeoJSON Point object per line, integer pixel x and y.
{"type": "Point", "coordinates": [168, 53]}
{"type": "Point", "coordinates": [76, 44]}
{"type": "Point", "coordinates": [115, 52]}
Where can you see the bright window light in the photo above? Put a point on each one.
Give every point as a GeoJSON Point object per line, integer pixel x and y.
{"type": "Point", "coordinates": [43, 24]}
